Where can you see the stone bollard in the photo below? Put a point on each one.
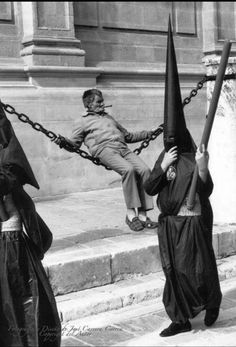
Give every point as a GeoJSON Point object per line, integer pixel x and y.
{"type": "Point", "coordinates": [222, 144]}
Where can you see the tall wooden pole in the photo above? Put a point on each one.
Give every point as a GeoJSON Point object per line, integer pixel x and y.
{"type": "Point", "coordinates": [210, 117]}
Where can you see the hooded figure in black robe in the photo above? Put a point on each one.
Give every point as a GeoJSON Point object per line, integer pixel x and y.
{"type": "Point", "coordinates": [185, 236]}
{"type": "Point", "coordinates": [28, 311]}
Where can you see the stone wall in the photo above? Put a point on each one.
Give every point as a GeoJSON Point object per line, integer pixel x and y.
{"type": "Point", "coordinates": [10, 33]}
{"type": "Point", "coordinates": [135, 104]}
{"type": "Point", "coordinates": [118, 33]}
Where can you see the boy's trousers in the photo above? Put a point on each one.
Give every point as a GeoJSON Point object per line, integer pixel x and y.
{"type": "Point", "coordinates": [133, 171]}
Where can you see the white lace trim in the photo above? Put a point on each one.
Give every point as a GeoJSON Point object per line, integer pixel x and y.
{"type": "Point", "coordinates": [196, 211]}
{"type": "Point", "coordinates": [14, 221]}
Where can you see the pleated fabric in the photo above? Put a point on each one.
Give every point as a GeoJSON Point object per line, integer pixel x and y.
{"type": "Point", "coordinates": [189, 264]}
{"type": "Point", "coordinates": [185, 241]}
{"type": "Point", "coordinates": [28, 313]}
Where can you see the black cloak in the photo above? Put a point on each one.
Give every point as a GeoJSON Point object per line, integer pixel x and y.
{"type": "Point", "coordinates": [185, 239]}
{"type": "Point", "coordinates": [28, 311]}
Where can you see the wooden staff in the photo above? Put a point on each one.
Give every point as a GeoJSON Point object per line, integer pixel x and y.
{"type": "Point", "coordinates": [210, 117]}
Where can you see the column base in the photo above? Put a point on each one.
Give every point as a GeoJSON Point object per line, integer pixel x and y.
{"type": "Point", "coordinates": [52, 52]}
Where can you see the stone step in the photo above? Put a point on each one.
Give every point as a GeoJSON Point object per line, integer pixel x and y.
{"type": "Point", "coordinates": [109, 297]}
{"type": "Point", "coordinates": [140, 325]}
{"type": "Point", "coordinates": [140, 289]}
{"type": "Point", "coordinates": [85, 261]}
{"type": "Point", "coordinates": [222, 333]}
{"type": "Point", "coordinates": [108, 328]}
{"type": "Point", "coordinates": [101, 262]}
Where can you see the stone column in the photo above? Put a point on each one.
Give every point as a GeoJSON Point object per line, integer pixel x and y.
{"type": "Point", "coordinates": [48, 35]}
{"type": "Point", "coordinates": [218, 20]}
{"type": "Point", "coordinates": [222, 144]}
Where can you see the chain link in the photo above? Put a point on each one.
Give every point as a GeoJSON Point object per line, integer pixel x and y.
{"type": "Point", "coordinates": [145, 143]}
{"type": "Point", "coordinates": [72, 148]}
{"type": "Point", "coordinates": [69, 147]}
{"type": "Point", "coordinates": [38, 127]}
{"type": "Point", "coordinates": [194, 91]}
{"type": "Point", "coordinates": [201, 83]}
{"type": "Point", "coordinates": [25, 119]}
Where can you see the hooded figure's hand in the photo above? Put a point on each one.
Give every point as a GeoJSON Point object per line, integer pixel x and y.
{"type": "Point", "coordinates": [202, 159]}
{"type": "Point", "coordinates": [169, 158]}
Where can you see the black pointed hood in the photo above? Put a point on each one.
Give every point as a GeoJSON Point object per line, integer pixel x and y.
{"type": "Point", "coordinates": [11, 151]}
{"type": "Point", "coordinates": [175, 130]}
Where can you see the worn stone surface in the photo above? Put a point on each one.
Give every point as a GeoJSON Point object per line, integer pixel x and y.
{"type": "Point", "coordinates": [140, 260]}
{"type": "Point", "coordinates": [83, 231]}
{"type": "Point", "coordinates": [77, 219]}
{"type": "Point", "coordinates": [84, 272]}
{"type": "Point", "coordinates": [140, 28]}
{"type": "Point", "coordinates": [109, 297]}
{"type": "Point", "coordinates": [227, 267]}
{"type": "Point", "coordinates": [143, 323]}
{"type": "Point", "coordinates": [136, 290]}
{"type": "Point", "coordinates": [93, 246]}
{"type": "Point", "coordinates": [84, 305]}
{"type": "Point", "coordinates": [101, 262]}
{"type": "Point", "coordinates": [227, 243]}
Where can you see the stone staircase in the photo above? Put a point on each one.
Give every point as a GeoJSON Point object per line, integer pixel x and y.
{"type": "Point", "coordinates": [97, 272]}
{"type": "Point", "coordinates": [140, 325]}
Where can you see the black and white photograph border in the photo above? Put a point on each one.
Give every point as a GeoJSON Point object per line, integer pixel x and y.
{"type": "Point", "coordinates": [131, 77]}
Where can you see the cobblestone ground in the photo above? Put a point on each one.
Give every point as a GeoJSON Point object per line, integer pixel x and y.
{"type": "Point", "coordinates": [141, 325]}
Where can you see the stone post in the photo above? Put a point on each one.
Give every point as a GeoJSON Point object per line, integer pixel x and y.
{"type": "Point", "coordinates": [222, 144]}
{"type": "Point", "coordinates": [218, 20]}
{"type": "Point", "coordinates": [48, 35]}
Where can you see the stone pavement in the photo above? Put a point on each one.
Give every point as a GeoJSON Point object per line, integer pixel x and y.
{"type": "Point", "coordinates": [86, 216]}
{"type": "Point", "coordinates": [140, 325]}
{"type": "Point", "coordinates": [94, 215]}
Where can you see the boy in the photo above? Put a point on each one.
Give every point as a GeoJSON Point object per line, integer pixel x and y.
{"type": "Point", "coordinates": [107, 140]}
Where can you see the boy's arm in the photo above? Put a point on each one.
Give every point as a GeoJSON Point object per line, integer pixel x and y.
{"type": "Point", "coordinates": [78, 134]}
{"type": "Point", "coordinates": [138, 136]}
{"type": "Point", "coordinates": [131, 137]}
{"type": "Point", "coordinates": [76, 139]}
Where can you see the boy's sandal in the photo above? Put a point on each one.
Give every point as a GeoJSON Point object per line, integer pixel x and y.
{"type": "Point", "coordinates": [149, 224]}
{"type": "Point", "coordinates": [135, 224]}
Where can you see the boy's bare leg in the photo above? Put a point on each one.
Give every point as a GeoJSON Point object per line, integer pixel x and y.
{"type": "Point", "coordinates": [131, 213]}
{"type": "Point", "coordinates": [145, 220]}
{"type": "Point", "coordinates": [132, 219]}
{"type": "Point", "coordinates": [142, 215]}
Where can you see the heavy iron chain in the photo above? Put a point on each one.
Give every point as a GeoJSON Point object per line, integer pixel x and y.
{"type": "Point", "coordinates": [73, 148]}
{"type": "Point", "coordinates": [201, 83]}
{"type": "Point", "coordinates": [52, 136]}
{"type": "Point", "coordinates": [195, 91]}
{"type": "Point", "coordinates": [68, 146]}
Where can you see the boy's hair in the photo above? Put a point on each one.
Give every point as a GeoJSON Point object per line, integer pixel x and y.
{"type": "Point", "coordinates": [89, 95]}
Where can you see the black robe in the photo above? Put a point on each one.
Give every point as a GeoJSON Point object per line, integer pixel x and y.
{"type": "Point", "coordinates": [28, 311]}
{"type": "Point", "coordinates": [185, 242]}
